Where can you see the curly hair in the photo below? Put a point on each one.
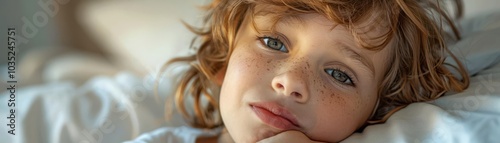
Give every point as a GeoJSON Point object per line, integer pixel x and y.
{"type": "Point", "coordinates": [417, 72]}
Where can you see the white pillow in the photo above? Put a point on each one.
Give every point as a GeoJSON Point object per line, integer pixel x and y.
{"type": "Point", "coordinates": [479, 47]}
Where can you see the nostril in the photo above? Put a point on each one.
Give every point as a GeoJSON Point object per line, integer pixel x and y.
{"type": "Point", "coordinates": [279, 85]}
{"type": "Point", "coordinates": [296, 94]}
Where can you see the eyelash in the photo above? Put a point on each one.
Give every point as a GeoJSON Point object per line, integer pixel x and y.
{"type": "Point", "coordinates": [265, 41]}
{"type": "Point", "coordinates": [349, 82]}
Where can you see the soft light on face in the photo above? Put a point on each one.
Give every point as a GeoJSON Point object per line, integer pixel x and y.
{"type": "Point", "coordinates": [302, 76]}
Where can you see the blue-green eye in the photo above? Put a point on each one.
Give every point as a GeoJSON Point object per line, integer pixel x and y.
{"type": "Point", "coordinates": [274, 44]}
{"type": "Point", "coordinates": [340, 76]}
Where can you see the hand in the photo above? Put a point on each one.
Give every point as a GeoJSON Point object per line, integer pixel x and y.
{"type": "Point", "coordinates": [291, 136]}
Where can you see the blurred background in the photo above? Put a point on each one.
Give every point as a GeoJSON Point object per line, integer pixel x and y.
{"type": "Point", "coordinates": [78, 39]}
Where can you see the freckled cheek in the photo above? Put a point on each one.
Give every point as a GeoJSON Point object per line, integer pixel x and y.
{"type": "Point", "coordinates": [335, 103]}
{"type": "Point", "coordinates": [251, 64]}
{"type": "Point", "coordinates": [335, 111]}
{"type": "Point", "coordinates": [338, 102]}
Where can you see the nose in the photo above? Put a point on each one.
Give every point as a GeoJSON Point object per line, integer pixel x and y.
{"type": "Point", "coordinates": [291, 85]}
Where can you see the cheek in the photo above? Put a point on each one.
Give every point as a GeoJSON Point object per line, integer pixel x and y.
{"type": "Point", "coordinates": [337, 111]}
{"type": "Point", "coordinates": [247, 65]}
{"type": "Point", "coordinates": [331, 96]}
{"type": "Point", "coordinates": [335, 104]}
{"type": "Point", "coordinates": [246, 69]}
{"type": "Point", "coordinates": [349, 102]}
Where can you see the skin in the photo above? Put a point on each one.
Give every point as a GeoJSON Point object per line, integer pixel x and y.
{"type": "Point", "coordinates": [326, 109]}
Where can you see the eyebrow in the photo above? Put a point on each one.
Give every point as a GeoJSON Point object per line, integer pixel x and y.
{"type": "Point", "coordinates": [357, 57]}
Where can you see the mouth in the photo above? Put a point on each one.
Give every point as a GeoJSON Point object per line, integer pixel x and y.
{"type": "Point", "coordinates": [275, 115]}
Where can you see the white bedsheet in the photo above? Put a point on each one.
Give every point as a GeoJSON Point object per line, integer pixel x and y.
{"type": "Point", "coordinates": [105, 109]}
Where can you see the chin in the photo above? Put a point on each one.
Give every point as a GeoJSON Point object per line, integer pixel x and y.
{"type": "Point", "coordinates": [242, 134]}
{"type": "Point", "coordinates": [245, 139]}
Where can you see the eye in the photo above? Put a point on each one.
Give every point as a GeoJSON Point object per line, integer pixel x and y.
{"type": "Point", "coordinates": [274, 43]}
{"type": "Point", "coordinates": [340, 76]}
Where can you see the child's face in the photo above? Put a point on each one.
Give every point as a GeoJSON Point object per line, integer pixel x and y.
{"type": "Point", "coordinates": [314, 74]}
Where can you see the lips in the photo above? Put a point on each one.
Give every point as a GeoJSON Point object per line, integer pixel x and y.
{"type": "Point", "coordinates": [275, 115]}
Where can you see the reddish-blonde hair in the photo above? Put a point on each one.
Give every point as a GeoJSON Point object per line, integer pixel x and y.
{"type": "Point", "coordinates": [417, 71]}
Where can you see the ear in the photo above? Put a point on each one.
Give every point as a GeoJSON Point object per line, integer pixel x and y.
{"type": "Point", "coordinates": [219, 76]}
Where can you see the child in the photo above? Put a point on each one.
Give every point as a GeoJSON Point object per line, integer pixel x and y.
{"type": "Point", "coordinates": [315, 71]}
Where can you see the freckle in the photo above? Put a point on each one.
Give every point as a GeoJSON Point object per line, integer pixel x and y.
{"type": "Point", "coordinates": [341, 100]}
{"type": "Point", "coordinates": [269, 61]}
